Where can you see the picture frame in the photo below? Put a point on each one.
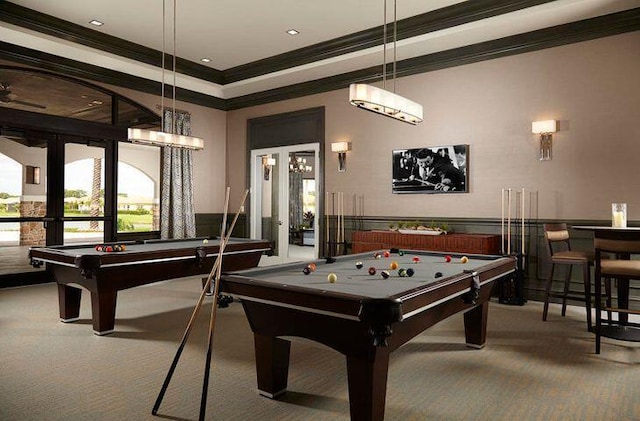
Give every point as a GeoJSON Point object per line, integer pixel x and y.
{"type": "Point", "coordinates": [431, 170]}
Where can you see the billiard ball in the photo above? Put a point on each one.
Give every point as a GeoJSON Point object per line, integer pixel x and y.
{"type": "Point", "coordinates": [393, 265]}
{"type": "Point", "coordinates": [438, 274]}
{"type": "Point", "coordinates": [123, 247]}
{"type": "Point", "coordinates": [306, 270]}
{"type": "Point", "coordinates": [447, 258]}
{"type": "Point", "coordinates": [205, 241]}
{"type": "Point", "coordinates": [99, 247]}
{"type": "Point", "coordinates": [376, 255]}
{"type": "Point", "coordinates": [372, 271]}
{"type": "Point", "coordinates": [359, 265]}
{"type": "Point", "coordinates": [415, 259]}
{"type": "Point", "coordinates": [108, 249]}
{"type": "Point", "coordinates": [332, 278]}
{"type": "Point", "coordinates": [400, 253]}
{"type": "Point", "coordinates": [312, 267]}
{"type": "Point", "coordinates": [464, 259]}
{"type": "Point", "coordinates": [386, 253]}
{"type": "Point", "coordinates": [116, 247]}
{"type": "Point", "coordinates": [410, 272]}
{"type": "Point", "coordinates": [384, 274]}
{"type": "Point", "coordinates": [402, 272]}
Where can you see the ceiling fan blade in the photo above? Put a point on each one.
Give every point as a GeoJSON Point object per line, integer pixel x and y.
{"type": "Point", "coordinates": [29, 104]}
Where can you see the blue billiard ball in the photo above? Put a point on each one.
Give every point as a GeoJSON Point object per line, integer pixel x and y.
{"type": "Point", "coordinates": [410, 272]}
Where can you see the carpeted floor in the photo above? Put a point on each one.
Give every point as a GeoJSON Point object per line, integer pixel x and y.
{"type": "Point", "coordinates": [529, 370]}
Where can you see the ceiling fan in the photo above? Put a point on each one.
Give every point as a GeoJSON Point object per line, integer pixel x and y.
{"type": "Point", "coordinates": [6, 97]}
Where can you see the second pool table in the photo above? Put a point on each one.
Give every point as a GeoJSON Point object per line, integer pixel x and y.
{"type": "Point", "coordinates": [363, 316]}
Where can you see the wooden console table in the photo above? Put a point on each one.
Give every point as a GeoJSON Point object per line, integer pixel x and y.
{"type": "Point", "coordinates": [364, 241]}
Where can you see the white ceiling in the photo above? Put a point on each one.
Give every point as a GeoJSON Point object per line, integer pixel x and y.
{"type": "Point", "coordinates": [237, 32]}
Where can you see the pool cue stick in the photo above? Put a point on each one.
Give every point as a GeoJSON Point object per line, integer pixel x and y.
{"type": "Point", "coordinates": [522, 215]}
{"type": "Point", "coordinates": [187, 332]}
{"type": "Point", "coordinates": [344, 243]}
{"type": "Point", "coordinates": [212, 325]}
{"type": "Point", "coordinates": [326, 220]}
{"type": "Point", "coordinates": [509, 221]}
{"type": "Point", "coordinates": [502, 221]}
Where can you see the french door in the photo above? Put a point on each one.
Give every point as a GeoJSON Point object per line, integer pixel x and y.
{"type": "Point", "coordinates": [284, 192]}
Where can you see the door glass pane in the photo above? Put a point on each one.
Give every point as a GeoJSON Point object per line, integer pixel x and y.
{"type": "Point", "coordinates": [83, 193]}
{"type": "Point", "coordinates": [22, 201]}
{"type": "Point", "coordinates": [138, 188]}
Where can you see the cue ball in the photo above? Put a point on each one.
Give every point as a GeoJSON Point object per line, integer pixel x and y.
{"type": "Point", "coordinates": [447, 258]}
{"type": "Point", "coordinates": [306, 270]}
{"type": "Point", "coordinates": [410, 272]}
{"type": "Point", "coordinates": [386, 253]}
{"type": "Point", "coordinates": [464, 259]}
{"type": "Point", "coordinates": [372, 271]}
{"type": "Point", "coordinates": [393, 265]}
{"type": "Point", "coordinates": [438, 274]}
{"type": "Point", "coordinates": [205, 241]}
{"type": "Point", "coordinates": [332, 278]}
{"type": "Point", "coordinates": [384, 274]}
{"type": "Point", "coordinates": [359, 265]}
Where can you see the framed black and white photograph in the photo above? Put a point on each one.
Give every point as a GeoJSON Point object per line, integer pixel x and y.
{"type": "Point", "coordinates": [439, 169]}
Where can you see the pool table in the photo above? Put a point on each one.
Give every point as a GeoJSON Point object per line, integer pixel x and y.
{"type": "Point", "coordinates": [363, 316]}
{"type": "Point", "coordinates": [106, 273]}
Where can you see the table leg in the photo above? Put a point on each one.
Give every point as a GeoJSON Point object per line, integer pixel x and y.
{"type": "Point", "coordinates": [475, 325]}
{"type": "Point", "coordinates": [103, 311]}
{"type": "Point", "coordinates": [368, 385]}
{"type": "Point", "coordinates": [272, 364]}
{"type": "Point", "coordinates": [69, 303]}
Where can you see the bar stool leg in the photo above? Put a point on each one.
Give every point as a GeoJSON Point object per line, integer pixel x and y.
{"type": "Point", "coordinates": [567, 282]}
{"type": "Point", "coordinates": [547, 292]}
{"type": "Point", "coordinates": [586, 276]}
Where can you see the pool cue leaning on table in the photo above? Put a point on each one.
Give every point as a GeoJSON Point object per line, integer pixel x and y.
{"type": "Point", "coordinates": [223, 242]}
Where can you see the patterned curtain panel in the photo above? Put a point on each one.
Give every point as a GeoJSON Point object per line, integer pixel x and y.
{"type": "Point", "coordinates": [177, 216]}
{"type": "Point", "coordinates": [295, 200]}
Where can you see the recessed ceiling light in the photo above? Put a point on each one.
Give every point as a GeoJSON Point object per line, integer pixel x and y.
{"type": "Point", "coordinates": [96, 22]}
{"type": "Point", "coordinates": [292, 32]}
{"type": "Point", "coordinates": [205, 60]}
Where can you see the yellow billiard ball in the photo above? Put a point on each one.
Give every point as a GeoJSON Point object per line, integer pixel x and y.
{"type": "Point", "coordinates": [332, 278]}
{"type": "Point", "coordinates": [393, 265]}
{"type": "Point", "coordinates": [205, 241]}
{"type": "Point", "coordinates": [464, 259]}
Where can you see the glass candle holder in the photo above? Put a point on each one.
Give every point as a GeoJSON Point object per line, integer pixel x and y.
{"type": "Point", "coordinates": [619, 215]}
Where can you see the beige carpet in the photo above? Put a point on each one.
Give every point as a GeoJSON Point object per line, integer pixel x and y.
{"type": "Point", "coordinates": [529, 370]}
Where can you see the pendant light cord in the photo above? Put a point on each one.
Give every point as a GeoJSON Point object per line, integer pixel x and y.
{"type": "Point", "coordinates": [162, 84]}
{"type": "Point", "coordinates": [384, 45]}
{"type": "Point", "coordinates": [174, 68]}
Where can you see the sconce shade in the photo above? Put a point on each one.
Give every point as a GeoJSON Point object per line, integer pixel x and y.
{"type": "Point", "coordinates": [151, 137]}
{"type": "Point", "coordinates": [545, 126]}
{"type": "Point", "coordinates": [33, 175]}
{"type": "Point", "coordinates": [384, 102]}
{"type": "Point", "coordinates": [340, 147]}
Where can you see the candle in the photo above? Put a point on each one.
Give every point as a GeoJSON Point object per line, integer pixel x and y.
{"type": "Point", "coordinates": [619, 215]}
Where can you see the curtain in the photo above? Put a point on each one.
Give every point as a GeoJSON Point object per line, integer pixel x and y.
{"type": "Point", "coordinates": [177, 216]}
{"type": "Point", "coordinates": [295, 200]}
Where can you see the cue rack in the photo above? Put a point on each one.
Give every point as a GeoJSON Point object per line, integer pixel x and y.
{"type": "Point", "coordinates": [335, 241]}
{"type": "Point", "coordinates": [513, 243]}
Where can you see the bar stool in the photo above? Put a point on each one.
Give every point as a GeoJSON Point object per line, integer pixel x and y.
{"type": "Point", "coordinates": [618, 247]}
{"type": "Point", "coordinates": [560, 253]}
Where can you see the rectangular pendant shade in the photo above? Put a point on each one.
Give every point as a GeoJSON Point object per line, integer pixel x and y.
{"type": "Point", "coordinates": [384, 102]}
{"type": "Point", "coordinates": [151, 137]}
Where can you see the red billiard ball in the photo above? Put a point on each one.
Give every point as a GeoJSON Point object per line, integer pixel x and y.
{"type": "Point", "coordinates": [386, 253]}
{"type": "Point", "coordinates": [99, 247]}
{"type": "Point", "coordinates": [108, 249]}
{"type": "Point", "coordinates": [415, 259]}
{"type": "Point", "coordinates": [447, 258]}
{"type": "Point", "coordinates": [372, 271]}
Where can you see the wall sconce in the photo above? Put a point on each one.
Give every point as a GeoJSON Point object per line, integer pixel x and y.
{"type": "Point", "coordinates": [267, 163]}
{"type": "Point", "coordinates": [33, 175]}
{"type": "Point", "coordinates": [544, 129]}
{"type": "Point", "coordinates": [341, 149]}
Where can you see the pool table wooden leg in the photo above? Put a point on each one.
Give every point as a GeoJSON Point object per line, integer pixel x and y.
{"type": "Point", "coordinates": [103, 311]}
{"type": "Point", "coordinates": [272, 364]}
{"type": "Point", "coordinates": [475, 325]}
{"type": "Point", "coordinates": [368, 385]}
{"type": "Point", "coordinates": [69, 303]}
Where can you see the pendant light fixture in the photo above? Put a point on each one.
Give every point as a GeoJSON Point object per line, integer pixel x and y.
{"type": "Point", "coordinates": [381, 101]}
{"type": "Point", "coordinates": [162, 138]}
